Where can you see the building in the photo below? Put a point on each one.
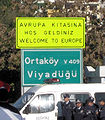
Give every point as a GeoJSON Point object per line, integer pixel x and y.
{"type": "Point", "coordinates": [95, 75]}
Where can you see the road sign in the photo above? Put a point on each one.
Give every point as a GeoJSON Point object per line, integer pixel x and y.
{"type": "Point", "coordinates": [54, 32]}
{"type": "Point", "coordinates": [38, 65]}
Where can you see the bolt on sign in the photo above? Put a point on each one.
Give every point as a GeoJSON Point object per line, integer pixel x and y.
{"type": "Point", "coordinates": [38, 65]}
{"type": "Point", "coordinates": [54, 32]}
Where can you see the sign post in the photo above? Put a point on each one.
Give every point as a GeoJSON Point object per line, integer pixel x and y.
{"type": "Point", "coordinates": [38, 65]}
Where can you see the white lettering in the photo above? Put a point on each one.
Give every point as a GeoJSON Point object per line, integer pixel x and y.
{"type": "Point", "coordinates": [27, 60]}
{"type": "Point", "coordinates": [40, 75]}
{"type": "Point", "coordinates": [65, 61]}
{"type": "Point", "coordinates": [56, 74]}
{"type": "Point", "coordinates": [30, 74]}
{"type": "Point", "coordinates": [42, 61]}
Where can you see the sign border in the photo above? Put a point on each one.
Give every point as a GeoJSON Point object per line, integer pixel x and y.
{"type": "Point", "coordinates": [22, 64]}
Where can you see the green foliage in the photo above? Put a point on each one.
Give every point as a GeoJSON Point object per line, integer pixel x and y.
{"type": "Point", "coordinates": [6, 3]}
{"type": "Point", "coordinates": [12, 9]}
{"type": "Point", "coordinates": [10, 59]}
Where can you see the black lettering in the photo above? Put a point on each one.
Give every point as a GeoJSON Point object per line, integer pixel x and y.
{"type": "Point", "coordinates": [25, 24]}
{"type": "Point", "coordinates": [79, 25]}
{"type": "Point", "coordinates": [68, 24]}
{"type": "Point", "coordinates": [22, 40]}
{"type": "Point", "coordinates": [30, 32]}
{"type": "Point", "coordinates": [21, 25]}
{"type": "Point", "coordinates": [26, 32]}
{"type": "Point", "coordinates": [29, 24]}
{"type": "Point", "coordinates": [27, 40]}
{"type": "Point", "coordinates": [43, 25]}
{"type": "Point", "coordinates": [75, 24]}
{"type": "Point", "coordinates": [53, 24]}
{"type": "Point", "coordinates": [64, 25]}
{"type": "Point", "coordinates": [34, 32]}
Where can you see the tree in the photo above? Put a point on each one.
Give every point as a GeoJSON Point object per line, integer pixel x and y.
{"type": "Point", "coordinates": [10, 9]}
